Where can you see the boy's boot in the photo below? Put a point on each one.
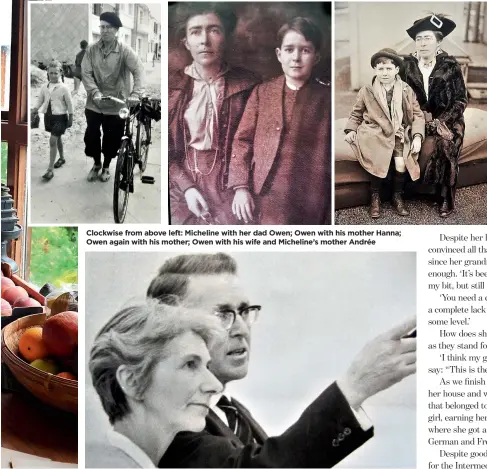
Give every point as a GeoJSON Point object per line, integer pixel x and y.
{"type": "Point", "coordinates": [374, 209]}
{"type": "Point", "coordinates": [397, 200]}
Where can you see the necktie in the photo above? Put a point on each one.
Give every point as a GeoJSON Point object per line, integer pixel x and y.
{"type": "Point", "coordinates": [230, 411]}
{"type": "Point", "coordinates": [236, 421]}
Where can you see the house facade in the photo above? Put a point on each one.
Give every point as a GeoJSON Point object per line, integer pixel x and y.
{"type": "Point", "coordinates": [141, 30]}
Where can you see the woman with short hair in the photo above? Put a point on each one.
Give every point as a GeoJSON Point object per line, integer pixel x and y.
{"type": "Point", "coordinates": [149, 366]}
{"type": "Point", "coordinates": [280, 170]}
{"type": "Point", "coordinates": [438, 82]}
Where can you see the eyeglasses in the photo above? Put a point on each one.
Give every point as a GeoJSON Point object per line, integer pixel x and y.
{"type": "Point", "coordinates": [426, 39]}
{"type": "Point", "coordinates": [229, 316]}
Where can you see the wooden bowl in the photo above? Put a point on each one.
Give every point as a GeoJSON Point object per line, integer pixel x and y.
{"type": "Point", "coordinates": [58, 392]}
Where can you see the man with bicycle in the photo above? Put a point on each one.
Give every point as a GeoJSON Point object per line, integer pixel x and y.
{"type": "Point", "coordinates": [106, 69]}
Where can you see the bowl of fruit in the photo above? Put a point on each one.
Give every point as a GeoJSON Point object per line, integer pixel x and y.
{"type": "Point", "coordinates": [42, 354]}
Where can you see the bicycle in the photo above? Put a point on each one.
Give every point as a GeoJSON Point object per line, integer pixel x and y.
{"type": "Point", "coordinates": [129, 154]}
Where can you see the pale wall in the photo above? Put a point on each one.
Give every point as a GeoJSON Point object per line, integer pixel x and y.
{"type": "Point", "coordinates": [57, 30]}
{"type": "Point", "coordinates": [374, 26]}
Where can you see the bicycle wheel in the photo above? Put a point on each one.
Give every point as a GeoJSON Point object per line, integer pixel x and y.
{"type": "Point", "coordinates": [121, 187]}
{"type": "Point", "coordinates": [142, 145]}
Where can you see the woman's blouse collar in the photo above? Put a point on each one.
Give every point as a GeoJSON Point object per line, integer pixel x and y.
{"type": "Point", "coordinates": [129, 448]}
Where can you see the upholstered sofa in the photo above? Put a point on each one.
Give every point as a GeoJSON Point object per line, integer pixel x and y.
{"type": "Point", "coordinates": [352, 181]}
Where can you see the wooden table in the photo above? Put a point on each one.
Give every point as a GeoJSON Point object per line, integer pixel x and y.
{"type": "Point", "coordinates": [35, 428]}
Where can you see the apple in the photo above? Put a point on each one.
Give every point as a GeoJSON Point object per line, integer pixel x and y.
{"type": "Point", "coordinates": [25, 302]}
{"type": "Point", "coordinates": [12, 294]}
{"type": "Point", "coordinates": [6, 308]}
{"type": "Point", "coordinates": [71, 363]}
{"type": "Point", "coordinates": [60, 334]}
{"type": "Point", "coordinates": [45, 365]}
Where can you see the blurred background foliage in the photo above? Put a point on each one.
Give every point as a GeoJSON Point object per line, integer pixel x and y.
{"type": "Point", "coordinates": [4, 162]}
{"type": "Point", "coordinates": [54, 256]}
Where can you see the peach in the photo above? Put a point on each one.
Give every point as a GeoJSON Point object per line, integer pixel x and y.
{"type": "Point", "coordinates": [67, 375]}
{"type": "Point", "coordinates": [60, 334]}
{"type": "Point", "coordinates": [6, 308]}
{"type": "Point", "coordinates": [25, 302]}
{"type": "Point", "coordinates": [7, 283]}
{"type": "Point", "coordinates": [12, 294]}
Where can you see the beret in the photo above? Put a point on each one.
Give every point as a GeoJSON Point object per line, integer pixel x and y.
{"type": "Point", "coordinates": [111, 18]}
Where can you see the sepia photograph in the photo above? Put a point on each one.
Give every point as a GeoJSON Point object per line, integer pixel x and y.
{"type": "Point", "coordinates": [410, 113]}
{"type": "Point", "coordinates": [250, 359]}
{"type": "Point", "coordinates": [95, 92]}
{"type": "Point", "coordinates": [249, 113]}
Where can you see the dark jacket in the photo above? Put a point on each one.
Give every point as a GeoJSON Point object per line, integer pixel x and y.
{"type": "Point", "coordinates": [79, 58]}
{"type": "Point", "coordinates": [259, 140]}
{"type": "Point", "coordinates": [446, 101]}
{"type": "Point", "coordinates": [238, 86]}
{"type": "Point", "coordinates": [326, 432]}
{"type": "Point", "coordinates": [77, 63]}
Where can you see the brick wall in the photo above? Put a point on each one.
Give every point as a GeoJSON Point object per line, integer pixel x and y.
{"type": "Point", "coordinates": [56, 31]}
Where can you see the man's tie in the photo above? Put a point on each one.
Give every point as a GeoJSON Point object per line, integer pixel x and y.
{"type": "Point", "coordinates": [230, 411]}
{"type": "Point", "coordinates": [236, 422]}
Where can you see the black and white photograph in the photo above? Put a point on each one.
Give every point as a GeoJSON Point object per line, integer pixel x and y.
{"type": "Point", "coordinates": [95, 109]}
{"type": "Point", "coordinates": [250, 359]}
{"type": "Point", "coordinates": [249, 113]}
{"type": "Point", "coordinates": [410, 113]}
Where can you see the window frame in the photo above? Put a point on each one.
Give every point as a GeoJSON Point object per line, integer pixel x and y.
{"type": "Point", "coordinates": [15, 128]}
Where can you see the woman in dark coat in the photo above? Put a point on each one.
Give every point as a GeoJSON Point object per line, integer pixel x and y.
{"type": "Point", "coordinates": [437, 80]}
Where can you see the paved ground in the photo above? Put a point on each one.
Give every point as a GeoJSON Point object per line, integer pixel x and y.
{"type": "Point", "coordinates": [471, 209]}
{"type": "Point", "coordinates": [69, 198]}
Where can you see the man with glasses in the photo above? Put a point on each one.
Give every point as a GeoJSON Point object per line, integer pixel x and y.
{"type": "Point", "coordinates": [106, 71]}
{"type": "Point", "coordinates": [332, 426]}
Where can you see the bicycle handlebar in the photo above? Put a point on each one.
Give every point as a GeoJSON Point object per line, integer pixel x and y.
{"type": "Point", "coordinates": [112, 98]}
{"type": "Point", "coordinates": [121, 101]}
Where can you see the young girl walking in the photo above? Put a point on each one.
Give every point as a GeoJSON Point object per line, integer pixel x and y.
{"type": "Point", "coordinates": [56, 104]}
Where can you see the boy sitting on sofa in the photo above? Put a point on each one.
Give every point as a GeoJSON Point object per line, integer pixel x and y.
{"type": "Point", "coordinates": [386, 123]}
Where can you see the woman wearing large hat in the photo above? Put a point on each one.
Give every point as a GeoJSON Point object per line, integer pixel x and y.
{"type": "Point", "coordinates": [437, 80]}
